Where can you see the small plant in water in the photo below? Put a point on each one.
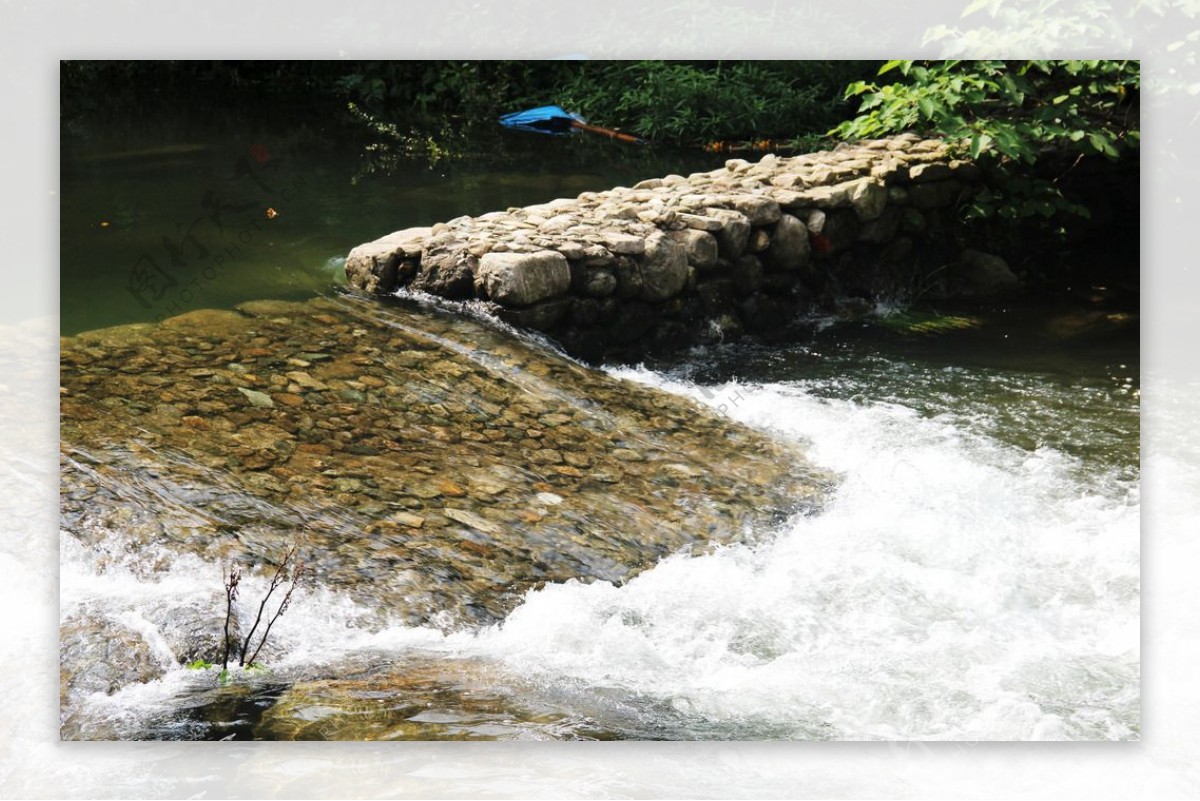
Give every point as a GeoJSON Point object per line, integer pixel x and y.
{"type": "Point", "coordinates": [291, 570]}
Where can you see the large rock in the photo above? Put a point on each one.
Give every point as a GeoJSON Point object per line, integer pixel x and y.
{"type": "Point", "coordinates": [868, 197]}
{"type": "Point", "coordinates": [734, 232]}
{"type": "Point", "coordinates": [522, 279]}
{"type": "Point", "coordinates": [882, 229]}
{"type": "Point", "coordinates": [934, 194]}
{"type": "Point", "coordinates": [664, 268]}
{"type": "Point", "coordinates": [374, 266]}
{"type": "Point", "coordinates": [759, 209]}
{"type": "Point", "coordinates": [540, 316]}
{"type": "Point", "coordinates": [194, 628]}
{"type": "Point", "coordinates": [789, 248]}
{"type": "Point", "coordinates": [984, 274]}
{"type": "Point", "coordinates": [447, 273]}
{"type": "Point", "coordinates": [700, 246]}
{"type": "Point", "coordinates": [100, 655]}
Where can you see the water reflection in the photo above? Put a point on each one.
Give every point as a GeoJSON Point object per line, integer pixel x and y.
{"type": "Point", "coordinates": [169, 217]}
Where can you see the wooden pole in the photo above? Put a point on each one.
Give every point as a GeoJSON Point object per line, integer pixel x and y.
{"type": "Point", "coordinates": [624, 137]}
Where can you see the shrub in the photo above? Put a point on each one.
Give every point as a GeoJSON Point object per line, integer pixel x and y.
{"type": "Point", "coordinates": [1007, 115]}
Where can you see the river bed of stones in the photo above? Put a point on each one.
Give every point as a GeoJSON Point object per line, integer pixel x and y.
{"type": "Point", "coordinates": [432, 466]}
{"type": "Point", "coordinates": [747, 250]}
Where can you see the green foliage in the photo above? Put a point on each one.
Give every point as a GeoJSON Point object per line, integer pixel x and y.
{"type": "Point", "coordinates": [471, 91]}
{"type": "Point", "coordinates": [677, 102]}
{"type": "Point", "coordinates": [199, 664]}
{"type": "Point", "coordinates": [1007, 114]}
{"type": "Point", "coordinates": [928, 323]}
{"type": "Point", "coordinates": [701, 102]}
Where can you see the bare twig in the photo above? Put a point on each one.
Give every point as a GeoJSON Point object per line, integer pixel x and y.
{"type": "Point", "coordinates": [297, 574]}
{"type": "Point", "coordinates": [231, 586]}
{"type": "Point", "coordinates": [277, 579]}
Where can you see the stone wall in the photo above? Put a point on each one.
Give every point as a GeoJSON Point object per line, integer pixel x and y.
{"type": "Point", "coordinates": [745, 250]}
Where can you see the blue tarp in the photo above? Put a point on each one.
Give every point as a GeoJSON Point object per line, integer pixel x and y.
{"type": "Point", "coordinates": [544, 119]}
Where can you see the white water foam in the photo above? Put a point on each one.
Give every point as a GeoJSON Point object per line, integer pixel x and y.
{"type": "Point", "coordinates": [954, 589]}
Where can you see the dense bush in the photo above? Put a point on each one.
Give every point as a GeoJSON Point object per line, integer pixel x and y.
{"type": "Point", "coordinates": [676, 102]}
{"type": "Point", "coordinates": [1010, 116]}
{"type": "Point", "coordinates": [701, 102]}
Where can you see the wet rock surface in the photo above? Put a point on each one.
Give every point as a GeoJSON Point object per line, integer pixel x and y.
{"type": "Point", "coordinates": [433, 467]}
{"type": "Point", "coordinates": [423, 700]}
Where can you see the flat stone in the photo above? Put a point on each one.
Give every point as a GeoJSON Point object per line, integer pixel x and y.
{"type": "Point", "coordinates": [570, 250]}
{"type": "Point", "coordinates": [546, 456]}
{"type": "Point", "coordinates": [473, 520]}
{"type": "Point", "coordinates": [625, 244]}
{"type": "Point", "coordinates": [256, 398]}
{"type": "Point", "coordinates": [787, 198]}
{"type": "Point", "coordinates": [408, 519]}
{"type": "Point", "coordinates": [921, 173]}
{"type": "Point", "coordinates": [700, 223]}
{"type": "Point", "coordinates": [788, 179]}
{"type": "Point", "coordinates": [759, 209]}
{"type": "Point", "coordinates": [521, 279]}
{"type": "Point", "coordinates": [307, 381]}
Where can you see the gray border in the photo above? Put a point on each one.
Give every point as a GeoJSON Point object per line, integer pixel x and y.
{"type": "Point", "coordinates": [32, 762]}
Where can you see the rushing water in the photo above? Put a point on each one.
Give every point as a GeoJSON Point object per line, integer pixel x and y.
{"type": "Point", "coordinates": [975, 575]}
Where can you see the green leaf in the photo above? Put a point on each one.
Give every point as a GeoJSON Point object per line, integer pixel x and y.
{"type": "Point", "coordinates": [1101, 143]}
{"type": "Point", "coordinates": [979, 143]}
{"type": "Point", "coordinates": [927, 107]}
{"type": "Point", "coordinates": [1010, 89]}
{"type": "Point", "coordinates": [977, 5]}
{"type": "Point", "coordinates": [888, 66]}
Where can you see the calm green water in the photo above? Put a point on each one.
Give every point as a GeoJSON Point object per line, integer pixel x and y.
{"type": "Point", "coordinates": [160, 217]}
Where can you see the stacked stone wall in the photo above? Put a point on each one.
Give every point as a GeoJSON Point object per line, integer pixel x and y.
{"type": "Point", "coordinates": [750, 249]}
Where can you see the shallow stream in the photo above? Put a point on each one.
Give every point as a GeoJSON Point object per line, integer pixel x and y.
{"type": "Point", "coordinates": [973, 573]}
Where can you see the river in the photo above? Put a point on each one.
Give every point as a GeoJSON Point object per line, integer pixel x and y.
{"type": "Point", "coordinates": [973, 574]}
